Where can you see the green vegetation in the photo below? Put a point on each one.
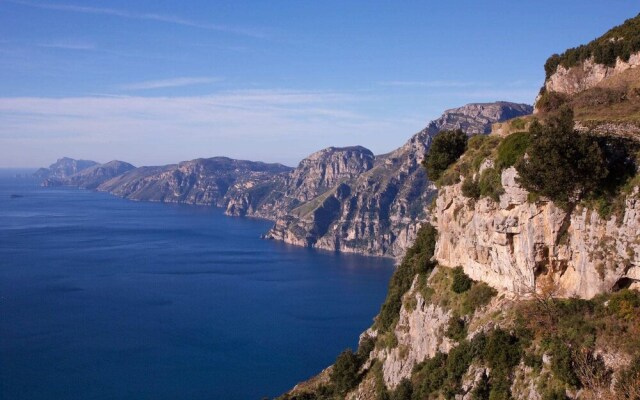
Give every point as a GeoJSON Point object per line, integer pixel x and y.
{"type": "Point", "coordinates": [444, 284]}
{"type": "Point", "coordinates": [345, 373]}
{"type": "Point", "coordinates": [417, 260]}
{"type": "Point", "coordinates": [561, 165]}
{"type": "Point", "coordinates": [479, 148]}
{"type": "Point", "coordinates": [446, 147]}
{"type": "Point", "coordinates": [567, 166]}
{"type": "Point", "coordinates": [461, 282]}
{"type": "Point", "coordinates": [567, 331]}
{"type": "Point", "coordinates": [621, 41]}
{"type": "Point", "coordinates": [511, 149]}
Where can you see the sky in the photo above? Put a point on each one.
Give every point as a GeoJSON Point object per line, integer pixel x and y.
{"type": "Point", "coordinates": [156, 82]}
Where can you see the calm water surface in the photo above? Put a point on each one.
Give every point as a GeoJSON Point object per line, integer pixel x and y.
{"type": "Point", "coordinates": [103, 298]}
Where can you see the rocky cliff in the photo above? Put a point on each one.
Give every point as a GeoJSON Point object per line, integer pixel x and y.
{"type": "Point", "coordinates": [587, 75]}
{"type": "Point", "coordinates": [520, 296]}
{"type": "Point", "coordinates": [378, 209]}
{"type": "Point", "coordinates": [510, 244]}
{"type": "Point", "coordinates": [63, 168]}
{"type": "Point", "coordinates": [344, 199]}
{"type": "Point", "coordinates": [90, 177]}
{"type": "Point", "coordinates": [203, 181]}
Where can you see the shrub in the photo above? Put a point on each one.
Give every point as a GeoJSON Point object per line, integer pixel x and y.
{"type": "Point", "coordinates": [478, 296]}
{"type": "Point", "coordinates": [416, 260]}
{"type": "Point", "coordinates": [490, 184]}
{"type": "Point", "coordinates": [620, 41]}
{"type": "Point", "coordinates": [628, 382]}
{"type": "Point", "coordinates": [404, 390]}
{"type": "Point", "coordinates": [512, 149]}
{"type": "Point", "coordinates": [470, 188]}
{"type": "Point", "coordinates": [446, 147]}
{"type": "Point", "coordinates": [562, 164]}
{"type": "Point", "coordinates": [344, 375]}
{"type": "Point", "coordinates": [518, 123]}
{"type": "Point", "coordinates": [456, 329]}
{"type": "Point", "coordinates": [461, 282]}
{"type": "Point", "coordinates": [502, 352]}
{"type": "Point", "coordinates": [551, 101]}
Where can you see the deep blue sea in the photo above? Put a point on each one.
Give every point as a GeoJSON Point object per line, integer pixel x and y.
{"type": "Point", "coordinates": [104, 298]}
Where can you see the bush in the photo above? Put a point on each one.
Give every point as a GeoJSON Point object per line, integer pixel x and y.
{"type": "Point", "coordinates": [456, 329]}
{"type": "Point", "coordinates": [551, 101]}
{"type": "Point", "coordinates": [344, 375]}
{"type": "Point", "coordinates": [446, 147]}
{"type": "Point", "coordinates": [470, 188]}
{"type": "Point", "coordinates": [620, 41]}
{"type": "Point", "coordinates": [461, 282]}
{"type": "Point", "coordinates": [490, 184]}
{"type": "Point", "coordinates": [512, 149]}
{"type": "Point", "coordinates": [416, 260]}
{"type": "Point", "coordinates": [562, 165]}
{"type": "Point", "coordinates": [404, 390]}
{"type": "Point", "coordinates": [478, 296]}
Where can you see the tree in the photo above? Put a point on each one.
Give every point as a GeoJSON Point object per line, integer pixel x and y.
{"type": "Point", "coordinates": [345, 371]}
{"type": "Point", "coordinates": [446, 148]}
{"type": "Point", "coordinates": [561, 164]}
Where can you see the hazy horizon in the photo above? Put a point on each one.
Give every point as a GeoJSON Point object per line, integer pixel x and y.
{"type": "Point", "coordinates": [155, 84]}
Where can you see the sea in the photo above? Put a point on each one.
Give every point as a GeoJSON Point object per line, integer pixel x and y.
{"type": "Point", "coordinates": [105, 298]}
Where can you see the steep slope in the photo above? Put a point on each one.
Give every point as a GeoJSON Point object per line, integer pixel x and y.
{"type": "Point", "coordinates": [342, 199]}
{"type": "Point", "coordinates": [525, 283]}
{"type": "Point", "coordinates": [200, 181]}
{"type": "Point", "coordinates": [600, 81]}
{"type": "Point", "coordinates": [378, 211]}
{"type": "Point", "coordinates": [91, 177]}
{"type": "Point", "coordinates": [63, 168]}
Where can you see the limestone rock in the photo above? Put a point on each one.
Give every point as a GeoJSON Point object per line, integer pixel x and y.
{"type": "Point", "coordinates": [587, 75]}
{"type": "Point", "coordinates": [510, 244]}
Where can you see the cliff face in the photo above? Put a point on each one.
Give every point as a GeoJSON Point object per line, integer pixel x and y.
{"type": "Point", "coordinates": [91, 177]}
{"type": "Point", "coordinates": [201, 181]}
{"type": "Point", "coordinates": [342, 199]}
{"type": "Point", "coordinates": [379, 208]}
{"type": "Point", "coordinates": [511, 244]}
{"type": "Point", "coordinates": [64, 168]}
{"type": "Point", "coordinates": [587, 75]}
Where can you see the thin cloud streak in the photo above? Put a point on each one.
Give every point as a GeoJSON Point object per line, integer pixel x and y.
{"type": "Point", "coordinates": [169, 83]}
{"type": "Point", "coordinates": [142, 16]}
{"type": "Point", "coordinates": [435, 84]}
{"type": "Point", "coordinates": [69, 45]}
{"type": "Point", "coordinates": [268, 125]}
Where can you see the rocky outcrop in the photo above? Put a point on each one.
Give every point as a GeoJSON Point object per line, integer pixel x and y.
{"type": "Point", "coordinates": [512, 244]}
{"type": "Point", "coordinates": [342, 199]}
{"type": "Point", "coordinates": [91, 177]}
{"type": "Point", "coordinates": [315, 175]}
{"type": "Point", "coordinates": [379, 209]}
{"type": "Point", "coordinates": [64, 168]}
{"type": "Point", "coordinates": [203, 181]}
{"type": "Point", "coordinates": [587, 75]}
{"type": "Point", "coordinates": [420, 335]}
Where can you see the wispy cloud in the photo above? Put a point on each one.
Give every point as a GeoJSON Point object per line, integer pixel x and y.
{"type": "Point", "coordinates": [169, 83]}
{"type": "Point", "coordinates": [119, 13]}
{"type": "Point", "coordinates": [435, 84]}
{"type": "Point", "coordinates": [269, 125]}
{"type": "Point", "coordinates": [69, 45]}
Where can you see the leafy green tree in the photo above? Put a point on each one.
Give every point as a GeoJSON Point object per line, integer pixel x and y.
{"type": "Point", "coordinates": [344, 375]}
{"type": "Point", "coordinates": [561, 164]}
{"type": "Point", "coordinates": [446, 148]}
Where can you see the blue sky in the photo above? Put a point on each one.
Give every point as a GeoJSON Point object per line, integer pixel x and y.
{"type": "Point", "coordinates": [156, 82]}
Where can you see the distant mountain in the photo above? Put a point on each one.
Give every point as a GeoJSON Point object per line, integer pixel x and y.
{"type": "Point", "coordinates": [64, 168]}
{"type": "Point", "coordinates": [339, 198]}
{"type": "Point", "coordinates": [202, 181]}
{"type": "Point", "coordinates": [91, 177]}
{"type": "Point", "coordinates": [379, 202]}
